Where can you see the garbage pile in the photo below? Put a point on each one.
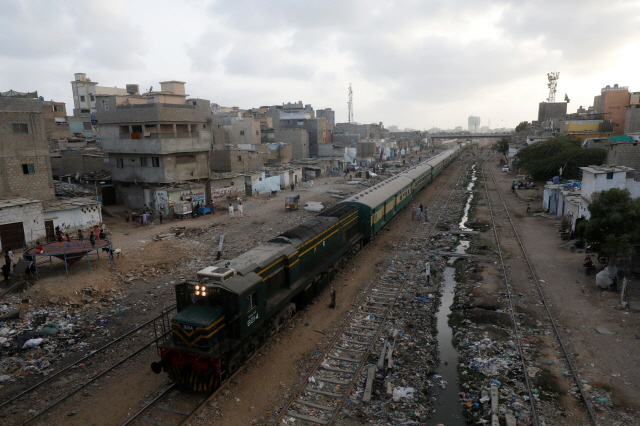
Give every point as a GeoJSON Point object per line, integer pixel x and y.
{"type": "Point", "coordinates": [34, 338]}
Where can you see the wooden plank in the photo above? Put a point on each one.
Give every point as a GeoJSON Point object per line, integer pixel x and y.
{"type": "Point", "coordinates": [174, 410]}
{"type": "Point", "coordinates": [382, 353]}
{"type": "Point", "coordinates": [333, 395]}
{"type": "Point", "coordinates": [306, 418]}
{"type": "Point", "coordinates": [318, 406]}
{"type": "Point", "coordinates": [369, 385]}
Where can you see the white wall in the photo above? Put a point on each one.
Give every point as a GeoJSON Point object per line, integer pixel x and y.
{"type": "Point", "coordinates": [31, 217]}
{"type": "Point", "coordinates": [73, 219]}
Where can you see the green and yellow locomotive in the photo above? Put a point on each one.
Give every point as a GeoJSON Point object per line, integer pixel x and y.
{"type": "Point", "coordinates": [229, 309]}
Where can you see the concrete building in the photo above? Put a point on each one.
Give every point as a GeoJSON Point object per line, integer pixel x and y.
{"type": "Point", "coordinates": [632, 114]}
{"type": "Point", "coordinates": [21, 222]}
{"type": "Point", "coordinates": [596, 179]}
{"type": "Point", "coordinates": [613, 102]}
{"type": "Point", "coordinates": [366, 131]}
{"type": "Point", "coordinates": [72, 161]}
{"type": "Point", "coordinates": [237, 160]}
{"type": "Point", "coordinates": [473, 124]}
{"type": "Point", "coordinates": [547, 110]}
{"type": "Point", "coordinates": [86, 91]}
{"type": "Point", "coordinates": [24, 151]}
{"type": "Point", "coordinates": [316, 127]}
{"type": "Point", "coordinates": [242, 129]}
{"type": "Point", "coordinates": [329, 115]}
{"type": "Point", "coordinates": [151, 143]}
{"type": "Point", "coordinates": [299, 140]}
{"type": "Point", "coordinates": [345, 139]}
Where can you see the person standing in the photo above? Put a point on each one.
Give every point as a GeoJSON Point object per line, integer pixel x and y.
{"type": "Point", "coordinates": [8, 258]}
{"type": "Point", "coordinates": [240, 208]}
{"type": "Point", "coordinates": [231, 215]}
{"type": "Point", "coordinates": [419, 213]}
{"type": "Point", "coordinates": [426, 214]}
{"type": "Point", "coordinates": [96, 233]}
{"type": "Point", "coordinates": [126, 216]}
{"type": "Point", "coordinates": [92, 238]}
{"type": "Point", "coordinates": [160, 216]}
{"type": "Point", "coordinates": [68, 238]}
{"type": "Point", "coordinates": [59, 235]}
{"type": "Point", "coordinates": [513, 187]}
{"type": "Point", "coordinates": [81, 235]}
{"type": "Point", "coordinates": [145, 217]}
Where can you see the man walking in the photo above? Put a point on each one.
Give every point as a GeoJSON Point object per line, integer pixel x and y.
{"type": "Point", "coordinates": [231, 215]}
{"type": "Point", "coordinates": [513, 187]}
{"type": "Point", "coordinates": [240, 208]}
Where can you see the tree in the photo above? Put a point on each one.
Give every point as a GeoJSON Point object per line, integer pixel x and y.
{"type": "Point", "coordinates": [614, 223]}
{"type": "Point", "coordinates": [543, 160]}
{"type": "Point", "coordinates": [522, 126]}
{"type": "Point", "coordinates": [501, 146]}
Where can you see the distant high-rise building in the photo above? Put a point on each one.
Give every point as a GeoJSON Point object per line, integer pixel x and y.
{"type": "Point", "coordinates": [474, 124]}
{"type": "Point", "coordinates": [613, 102]}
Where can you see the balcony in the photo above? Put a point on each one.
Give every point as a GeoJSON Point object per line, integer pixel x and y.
{"type": "Point", "coordinates": [140, 136]}
{"type": "Point", "coordinates": [158, 143]}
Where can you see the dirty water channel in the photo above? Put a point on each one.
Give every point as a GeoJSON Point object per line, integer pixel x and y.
{"type": "Point", "coordinates": [449, 411]}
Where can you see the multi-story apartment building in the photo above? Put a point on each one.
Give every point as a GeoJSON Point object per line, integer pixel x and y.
{"type": "Point", "coordinates": [155, 139]}
{"type": "Point", "coordinates": [613, 102]}
{"type": "Point", "coordinates": [25, 168]}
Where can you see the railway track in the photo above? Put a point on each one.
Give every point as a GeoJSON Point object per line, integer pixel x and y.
{"type": "Point", "coordinates": [510, 235]}
{"type": "Point", "coordinates": [328, 385]}
{"type": "Point", "coordinates": [27, 410]}
{"type": "Point", "coordinates": [169, 407]}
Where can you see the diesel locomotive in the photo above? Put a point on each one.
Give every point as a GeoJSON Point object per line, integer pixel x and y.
{"type": "Point", "coordinates": [229, 309]}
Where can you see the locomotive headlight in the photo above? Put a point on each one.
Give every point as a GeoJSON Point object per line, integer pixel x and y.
{"type": "Point", "coordinates": [204, 293]}
{"type": "Point", "coordinates": [197, 287]}
{"type": "Point", "coordinates": [197, 293]}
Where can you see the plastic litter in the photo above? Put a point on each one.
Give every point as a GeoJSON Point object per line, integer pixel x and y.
{"type": "Point", "coordinates": [32, 343]}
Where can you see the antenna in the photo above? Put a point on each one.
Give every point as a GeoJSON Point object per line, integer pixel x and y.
{"type": "Point", "coordinates": [552, 85]}
{"type": "Point", "coordinates": [350, 103]}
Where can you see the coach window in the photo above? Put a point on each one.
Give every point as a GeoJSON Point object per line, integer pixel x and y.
{"type": "Point", "coordinates": [252, 301]}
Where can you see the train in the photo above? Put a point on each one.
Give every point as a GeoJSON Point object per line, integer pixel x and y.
{"type": "Point", "coordinates": [228, 310]}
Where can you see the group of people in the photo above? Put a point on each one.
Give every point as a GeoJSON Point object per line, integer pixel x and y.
{"type": "Point", "coordinates": [144, 218]}
{"type": "Point", "coordinates": [64, 239]}
{"type": "Point", "coordinates": [420, 212]}
{"type": "Point", "coordinates": [520, 185]}
{"type": "Point", "coordinates": [232, 214]}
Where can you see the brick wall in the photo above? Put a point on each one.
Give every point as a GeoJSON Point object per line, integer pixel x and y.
{"type": "Point", "coordinates": [624, 154]}
{"type": "Point", "coordinates": [18, 149]}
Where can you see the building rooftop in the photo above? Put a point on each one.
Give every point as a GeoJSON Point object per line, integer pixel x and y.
{"type": "Point", "coordinates": [16, 202]}
{"type": "Point", "coordinates": [69, 204]}
{"type": "Point", "coordinates": [607, 169]}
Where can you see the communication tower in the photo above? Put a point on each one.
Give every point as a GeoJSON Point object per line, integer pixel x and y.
{"type": "Point", "coordinates": [552, 85]}
{"type": "Point", "coordinates": [350, 103]}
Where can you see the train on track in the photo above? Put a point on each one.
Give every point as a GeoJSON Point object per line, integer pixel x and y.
{"type": "Point", "coordinates": [229, 309]}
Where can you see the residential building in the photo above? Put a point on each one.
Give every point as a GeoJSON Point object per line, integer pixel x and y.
{"type": "Point", "coordinates": [154, 139]}
{"type": "Point", "coordinates": [366, 131]}
{"type": "Point", "coordinates": [236, 160]}
{"type": "Point", "coordinates": [632, 114]}
{"type": "Point", "coordinates": [473, 124]}
{"type": "Point", "coordinates": [299, 140]}
{"type": "Point", "coordinates": [317, 128]}
{"type": "Point", "coordinates": [596, 179]}
{"type": "Point", "coordinates": [623, 150]}
{"type": "Point", "coordinates": [613, 102]}
{"type": "Point", "coordinates": [241, 128]}
{"type": "Point", "coordinates": [24, 151]}
{"type": "Point", "coordinates": [329, 115]}
{"type": "Point", "coordinates": [85, 92]}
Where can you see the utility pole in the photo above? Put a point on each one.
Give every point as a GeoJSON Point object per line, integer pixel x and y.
{"type": "Point", "coordinates": [350, 103]}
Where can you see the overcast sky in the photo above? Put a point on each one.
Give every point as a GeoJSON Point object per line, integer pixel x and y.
{"type": "Point", "coordinates": [411, 63]}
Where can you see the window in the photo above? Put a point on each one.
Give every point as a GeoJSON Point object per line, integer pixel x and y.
{"type": "Point", "coordinates": [85, 111]}
{"type": "Point", "coordinates": [155, 161]}
{"type": "Point", "coordinates": [120, 163]}
{"type": "Point", "coordinates": [20, 128]}
{"type": "Point", "coordinates": [241, 132]}
{"type": "Point", "coordinates": [239, 158]}
{"type": "Point", "coordinates": [257, 133]}
{"type": "Point", "coordinates": [143, 162]}
{"type": "Point", "coordinates": [93, 98]}
{"type": "Point", "coordinates": [28, 169]}
{"type": "Point", "coordinates": [86, 125]}
{"type": "Point", "coordinates": [252, 301]}
{"type": "Point", "coordinates": [610, 175]}
{"type": "Point", "coordinates": [81, 98]}
{"type": "Point", "coordinates": [105, 105]}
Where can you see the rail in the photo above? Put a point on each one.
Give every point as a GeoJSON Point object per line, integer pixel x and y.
{"type": "Point", "coordinates": [542, 299]}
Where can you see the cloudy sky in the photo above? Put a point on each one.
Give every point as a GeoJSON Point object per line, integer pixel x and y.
{"type": "Point", "coordinates": [411, 63]}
